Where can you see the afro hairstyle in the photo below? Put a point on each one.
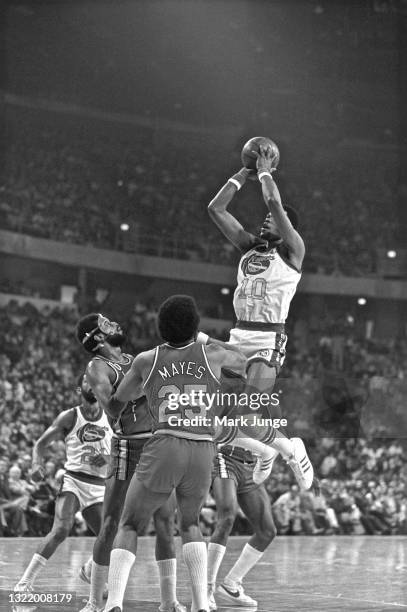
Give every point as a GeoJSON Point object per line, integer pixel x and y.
{"type": "Point", "coordinates": [178, 319]}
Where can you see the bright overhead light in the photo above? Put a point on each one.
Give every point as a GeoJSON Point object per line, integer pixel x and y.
{"type": "Point", "coordinates": [225, 291]}
{"type": "Point", "coordinates": [362, 301]}
{"type": "Point", "coordinates": [125, 227]}
{"type": "Point", "coordinates": [391, 254]}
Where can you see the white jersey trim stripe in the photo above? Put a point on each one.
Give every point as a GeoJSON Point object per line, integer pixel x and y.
{"type": "Point", "coordinates": [207, 363]}
{"type": "Point", "coordinates": [152, 367]}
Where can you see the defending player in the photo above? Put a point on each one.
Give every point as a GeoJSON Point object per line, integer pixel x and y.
{"type": "Point", "coordinates": [181, 452]}
{"type": "Point", "coordinates": [268, 275]}
{"type": "Point", "coordinates": [87, 436]}
{"type": "Point", "coordinates": [103, 339]}
{"type": "Point", "coordinates": [233, 485]}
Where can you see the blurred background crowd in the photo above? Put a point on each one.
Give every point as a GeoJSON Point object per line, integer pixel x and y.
{"type": "Point", "coordinates": [83, 186]}
{"type": "Point", "coordinates": [337, 407]}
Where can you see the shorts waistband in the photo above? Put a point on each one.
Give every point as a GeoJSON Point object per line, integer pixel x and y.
{"type": "Point", "coordinates": [140, 436]}
{"type": "Point", "coordinates": [279, 328]}
{"type": "Point", "coordinates": [84, 477]}
{"type": "Point", "coordinates": [185, 435]}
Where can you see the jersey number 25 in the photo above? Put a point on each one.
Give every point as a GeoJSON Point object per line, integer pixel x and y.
{"type": "Point", "coordinates": [165, 411]}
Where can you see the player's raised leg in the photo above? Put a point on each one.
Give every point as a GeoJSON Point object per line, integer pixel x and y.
{"type": "Point", "coordinates": [66, 507]}
{"type": "Point", "coordinates": [266, 442]}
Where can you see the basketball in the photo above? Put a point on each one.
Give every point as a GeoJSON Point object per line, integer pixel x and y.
{"type": "Point", "coordinates": [249, 159]}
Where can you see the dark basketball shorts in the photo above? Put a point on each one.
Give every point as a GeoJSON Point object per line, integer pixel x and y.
{"type": "Point", "coordinates": [124, 457]}
{"type": "Point", "coordinates": [169, 462]}
{"type": "Point", "coordinates": [233, 463]}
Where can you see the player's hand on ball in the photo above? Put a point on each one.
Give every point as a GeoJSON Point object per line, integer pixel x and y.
{"type": "Point", "coordinates": [37, 473]}
{"type": "Point", "coordinates": [265, 161]}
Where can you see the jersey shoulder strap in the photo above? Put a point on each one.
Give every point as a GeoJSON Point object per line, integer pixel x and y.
{"type": "Point", "coordinates": [112, 365]}
{"type": "Point", "coordinates": [157, 350]}
{"type": "Point", "coordinates": [73, 412]}
{"type": "Point", "coordinates": [208, 365]}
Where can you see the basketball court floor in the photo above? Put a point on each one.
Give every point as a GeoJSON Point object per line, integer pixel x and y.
{"type": "Point", "coordinates": [301, 574]}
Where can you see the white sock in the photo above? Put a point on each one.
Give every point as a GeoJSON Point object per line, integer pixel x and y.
{"type": "Point", "coordinates": [34, 567]}
{"type": "Point", "coordinates": [121, 562]}
{"type": "Point", "coordinates": [283, 444]}
{"type": "Point", "coordinates": [88, 566]}
{"type": "Point", "coordinates": [98, 580]}
{"type": "Point", "coordinates": [256, 447]}
{"type": "Point", "coordinates": [168, 581]}
{"type": "Point", "coordinates": [248, 558]}
{"type": "Point", "coordinates": [216, 552]}
{"type": "Point", "coordinates": [196, 560]}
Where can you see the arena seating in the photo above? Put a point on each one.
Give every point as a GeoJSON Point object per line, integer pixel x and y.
{"type": "Point", "coordinates": [79, 186]}
{"type": "Point", "coordinates": [361, 467]}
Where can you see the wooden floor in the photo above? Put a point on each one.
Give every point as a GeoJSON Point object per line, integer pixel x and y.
{"type": "Point", "coordinates": [301, 574]}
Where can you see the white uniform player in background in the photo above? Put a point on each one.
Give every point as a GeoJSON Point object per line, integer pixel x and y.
{"type": "Point", "coordinates": [268, 275]}
{"type": "Point", "coordinates": [87, 435]}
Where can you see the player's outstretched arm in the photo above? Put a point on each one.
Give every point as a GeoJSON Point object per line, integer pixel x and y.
{"type": "Point", "coordinates": [272, 198]}
{"type": "Point", "coordinates": [203, 338]}
{"type": "Point", "coordinates": [226, 222]}
{"type": "Point", "coordinates": [56, 431]}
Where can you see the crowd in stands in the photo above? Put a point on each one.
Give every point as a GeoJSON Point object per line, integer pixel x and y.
{"type": "Point", "coordinates": [79, 186]}
{"type": "Point", "coordinates": [343, 405]}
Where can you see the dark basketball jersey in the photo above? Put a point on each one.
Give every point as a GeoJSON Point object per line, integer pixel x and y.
{"type": "Point", "coordinates": [178, 389]}
{"type": "Point", "coordinates": [134, 420]}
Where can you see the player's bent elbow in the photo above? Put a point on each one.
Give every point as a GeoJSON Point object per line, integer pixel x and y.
{"type": "Point", "coordinates": [211, 210]}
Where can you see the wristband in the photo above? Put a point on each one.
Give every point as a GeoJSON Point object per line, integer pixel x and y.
{"type": "Point", "coordinates": [264, 173]}
{"type": "Point", "coordinates": [235, 183]}
{"type": "Point", "coordinates": [202, 338]}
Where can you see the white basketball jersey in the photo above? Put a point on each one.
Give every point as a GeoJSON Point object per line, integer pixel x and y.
{"type": "Point", "coordinates": [266, 284]}
{"type": "Point", "coordinates": [85, 440]}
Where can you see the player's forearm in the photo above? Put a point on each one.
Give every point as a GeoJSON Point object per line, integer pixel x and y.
{"type": "Point", "coordinates": [286, 230]}
{"type": "Point", "coordinates": [38, 452]}
{"type": "Point", "coordinates": [115, 406]}
{"type": "Point", "coordinates": [222, 199]}
{"type": "Point", "coordinates": [271, 194]}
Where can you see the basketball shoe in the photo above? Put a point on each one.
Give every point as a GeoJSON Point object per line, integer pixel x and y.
{"type": "Point", "coordinates": [233, 593]}
{"type": "Point", "coordinates": [301, 465]}
{"type": "Point", "coordinates": [85, 576]}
